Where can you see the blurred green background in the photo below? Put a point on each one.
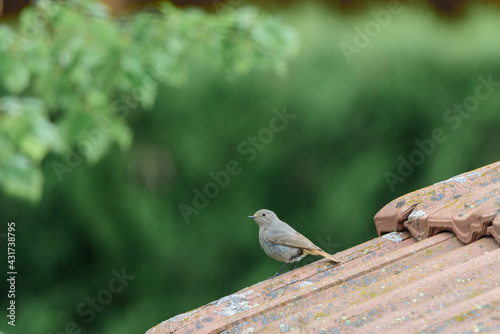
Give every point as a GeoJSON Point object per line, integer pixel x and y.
{"type": "Point", "coordinates": [353, 119]}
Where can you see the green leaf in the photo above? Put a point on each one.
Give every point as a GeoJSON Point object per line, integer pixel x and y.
{"type": "Point", "coordinates": [6, 36]}
{"type": "Point", "coordinates": [71, 125]}
{"type": "Point", "coordinates": [6, 149]}
{"type": "Point", "coordinates": [17, 79]}
{"type": "Point", "coordinates": [19, 177]}
{"type": "Point", "coordinates": [25, 123]}
{"type": "Point", "coordinates": [122, 134]}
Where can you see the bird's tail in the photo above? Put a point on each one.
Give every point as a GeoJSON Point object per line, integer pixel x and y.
{"type": "Point", "coordinates": [322, 253]}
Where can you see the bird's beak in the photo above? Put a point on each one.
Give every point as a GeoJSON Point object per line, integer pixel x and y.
{"type": "Point", "coordinates": [253, 217]}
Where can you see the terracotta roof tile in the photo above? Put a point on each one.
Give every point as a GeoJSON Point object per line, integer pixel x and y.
{"type": "Point", "coordinates": [467, 204]}
{"type": "Point", "coordinates": [391, 284]}
{"type": "Point", "coordinates": [381, 285]}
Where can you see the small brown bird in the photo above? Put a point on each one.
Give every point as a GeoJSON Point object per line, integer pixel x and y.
{"type": "Point", "coordinates": [281, 242]}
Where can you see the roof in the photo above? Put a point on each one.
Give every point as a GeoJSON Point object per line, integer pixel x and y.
{"type": "Point", "coordinates": [391, 284]}
{"type": "Point", "coordinates": [467, 204]}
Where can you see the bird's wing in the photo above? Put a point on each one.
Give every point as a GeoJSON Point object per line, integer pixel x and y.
{"type": "Point", "coordinates": [285, 235]}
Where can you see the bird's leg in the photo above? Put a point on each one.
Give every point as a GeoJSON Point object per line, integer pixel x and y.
{"type": "Point", "coordinates": [279, 271]}
{"type": "Point", "coordinates": [293, 265]}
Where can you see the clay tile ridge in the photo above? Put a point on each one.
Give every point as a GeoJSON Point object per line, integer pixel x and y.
{"type": "Point", "coordinates": [467, 204]}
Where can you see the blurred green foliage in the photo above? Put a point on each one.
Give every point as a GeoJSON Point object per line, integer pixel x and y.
{"type": "Point", "coordinates": [324, 172]}
{"type": "Point", "coordinates": [70, 75]}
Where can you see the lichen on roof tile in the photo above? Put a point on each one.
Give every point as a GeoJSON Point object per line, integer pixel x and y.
{"type": "Point", "coordinates": [305, 283]}
{"type": "Point", "coordinates": [467, 204]}
{"type": "Point", "coordinates": [393, 236]}
{"type": "Point", "coordinates": [234, 304]}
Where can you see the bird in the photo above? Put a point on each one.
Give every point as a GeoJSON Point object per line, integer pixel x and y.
{"type": "Point", "coordinates": [281, 242]}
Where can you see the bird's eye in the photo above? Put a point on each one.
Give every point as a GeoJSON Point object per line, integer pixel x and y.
{"type": "Point", "coordinates": [263, 215]}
